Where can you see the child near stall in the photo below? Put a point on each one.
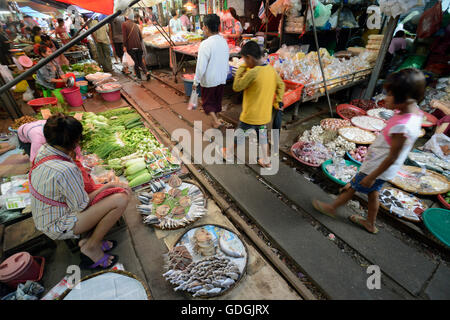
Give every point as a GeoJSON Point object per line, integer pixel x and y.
{"type": "Point", "coordinates": [385, 157]}
{"type": "Point", "coordinates": [263, 90]}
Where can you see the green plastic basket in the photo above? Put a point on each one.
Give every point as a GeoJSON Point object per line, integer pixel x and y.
{"type": "Point", "coordinates": [438, 223]}
{"type": "Point", "coordinates": [330, 161]}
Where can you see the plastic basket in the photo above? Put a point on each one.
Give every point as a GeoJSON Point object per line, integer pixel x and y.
{"type": "Point", "coordinates": [293, 96]}
{"type": "Point", "coordinates": [330, 161]}
{"type": "Point", "coordinates": [438, 223]}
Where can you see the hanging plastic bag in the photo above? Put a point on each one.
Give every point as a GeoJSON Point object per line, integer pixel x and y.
{"type": "Point", "coordinates": [193, 101]}
{"type": "Point", "coordinates": [127, 61]}
{"type": "Point", "coordinates": [321, 13]}
{"type": "Point", "coordinates": [430, 22]}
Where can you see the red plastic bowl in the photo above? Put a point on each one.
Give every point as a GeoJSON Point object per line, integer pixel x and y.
{"type": "Point", "coordinates": [431, 119]}
{"type": "Point", "coordinates": [36, 104]}
{"type": "Point", "coordinates": [442, 200]}
{"type": "Point", "coordinates": [341, 107]}
{"type": "Point", "coordinates": [294, 146]}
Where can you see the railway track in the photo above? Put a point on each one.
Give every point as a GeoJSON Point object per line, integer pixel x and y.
{"type": "Point", "coordinates": [245, 223]}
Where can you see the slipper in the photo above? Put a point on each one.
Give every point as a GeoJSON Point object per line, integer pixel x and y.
{"type": "Point", "coordinates": [105, 246]}
{"type": "Point", "coordinates": [318, 207]}
{"type": "Point", "coordinates": [102, 264]}
{"type": "Point", "coordinates": [357, 220]}
{"type": "Point", "coordinates": [264, 165]}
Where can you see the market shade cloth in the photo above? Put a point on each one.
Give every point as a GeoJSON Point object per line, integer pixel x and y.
{"type": "Point", "coordinates": [29, 11]}
{"type": "Point", "coordinates": [107, 6]}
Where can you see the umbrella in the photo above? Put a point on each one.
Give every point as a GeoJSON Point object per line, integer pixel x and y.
{"type": "Point", "coordinates": [108, 7]}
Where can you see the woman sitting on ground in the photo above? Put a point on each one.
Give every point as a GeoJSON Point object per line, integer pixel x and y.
{"type": "Point", "coordinates": [50, 75]}
{"type": "Point", "coordinates": [61, 207]}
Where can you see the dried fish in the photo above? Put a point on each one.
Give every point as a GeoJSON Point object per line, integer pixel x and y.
{"type": "Point", "coordinates": [227, 250]}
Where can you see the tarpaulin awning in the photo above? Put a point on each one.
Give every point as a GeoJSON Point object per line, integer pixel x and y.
{"type": "Point", "coordinates": [29, 11]}
{"type": "Point", "coordinates": [108, 6]}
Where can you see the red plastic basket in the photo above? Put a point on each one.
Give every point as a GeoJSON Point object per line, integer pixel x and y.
{"type": "Point", "coordinates": [294, 146]}
{"type": "Point", "coordinates": [341, 107]}
{"type": "Point", "coordinates": [294, 94]}
{"type": "Point", "coordinates": [36, 104]}
{"type": "Point", "coordinates": [442, 200]}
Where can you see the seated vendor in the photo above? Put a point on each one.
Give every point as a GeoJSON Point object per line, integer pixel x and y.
{"type": "Point", "coordinates": [50, 76]}
{"type": "Point", "coordinates": [31, 138]}
{"type": "Point", "coordinates": [442, 113]}
{"type": "Point", "coordinates": [47, 41]}
{"type": "Point", "coordinates": [231, 27]}
{"type": "Point", "coordinates": [61, 207]}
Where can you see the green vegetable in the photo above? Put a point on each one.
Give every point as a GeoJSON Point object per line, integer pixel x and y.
{"type": "Point", "coordinates": [131, 162]}
{"type": "Point", "coordinates": [143, 178]}
{"type": "Point", "coordinates": [137, 174]}
{"type": "Point", "coordinates": [135, 168]}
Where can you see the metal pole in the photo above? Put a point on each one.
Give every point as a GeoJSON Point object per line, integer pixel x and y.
{"type": "Point", "coordinates": [61, 50]}
{"type": "Point", "coordinates": [320, 59]}
{"type": "Point", "coordinates": [390, 28]}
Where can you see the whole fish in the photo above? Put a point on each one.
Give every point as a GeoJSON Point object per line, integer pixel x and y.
{"type": "Point", "coordinates": [227, 250]}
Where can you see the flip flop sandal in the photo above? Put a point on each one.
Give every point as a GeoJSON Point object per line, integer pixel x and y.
{"type": "Point", "coordinates": [319, 208]}
{"type": "Point", "coordinates": [264, 165]}
{"type": "Point", "coordinates": [357, 220]}
{"type": "Point", "coordinates": [102, 264]}
{"type": "Point", "coordinates": [105, 246]}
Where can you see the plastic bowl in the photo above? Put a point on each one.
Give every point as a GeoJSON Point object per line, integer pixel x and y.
{"type": "Point", "coordinates": [111, 96]}
{"type": "Point", "coordinates": [341, 107]}
{"type": "Point", "coordinates": [330, 161]}
{"type": "Point", "coordinates": [353, 160]}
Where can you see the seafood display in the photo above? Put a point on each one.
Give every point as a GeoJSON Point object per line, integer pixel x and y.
{"type": "Point", "coordinates": [178, 258]}
{"type": "Point", "coordinates": [357, 135]}
{"type": "Point", "coordinates": [174, 207]}
{"type": "Point", "coordinates": [402, 204]}
{"type": "Point", "coordinates": [334, 124]}
{"type": "Point", "coordinates": [368, 123]}
{"type": "Point", "coordinates": [429, 160]}
{"type": "Point", "coordinates": [312, 153]}
{"type": "Point", "coordinates": [421, 181]}
{"type": "Point", "coordinates": [208, 275]}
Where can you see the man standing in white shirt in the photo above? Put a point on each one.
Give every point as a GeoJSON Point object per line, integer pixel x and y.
{"type": "Point", "coordinates": [212, 68]}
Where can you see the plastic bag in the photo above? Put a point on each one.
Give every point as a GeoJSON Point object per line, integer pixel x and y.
{"type": "Point", "coordinates": [347, 19]}
{"type": "Point", "coordinates": [435, 143]}
{"type": "Point", "coordinates": [430, 22]}
{"type": "Point", "coordinates": [127, 61]}
{"type": "Point", "coordinates": [28, 95]}
{"type": "Point", "coordinates": [193, 101]}
{"type": "Point", "coordinates": [321, 14]}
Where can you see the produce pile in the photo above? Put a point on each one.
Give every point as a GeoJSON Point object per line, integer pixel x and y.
{"type": "Point", "coordinates": [364, 104]}
{"type": "Point", "coordinates": [83, 67]}
{"type": "Point", "coordinates": [298, 67]}
{"type": "Point", "coordinates": [421, 181]}
{"type": "Point", "coordinates": [357, 135]}
{"type": "Point", "coordinates": [334, 124]}
{"type": "Point", "coordinates": [176, 206]}
{"type": "Point", "coordinates": [359, 154]}
{"type": "Point", "coordinates": [119, 138]}
{"type": "Point", "coordinates": [368, 123]}
{"type": "Point", "coordinates": [329, 139]}
{"type": "Point", "coordinates": [21, 121]}
{"type": "Point", "coordinates": [313, 153]}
